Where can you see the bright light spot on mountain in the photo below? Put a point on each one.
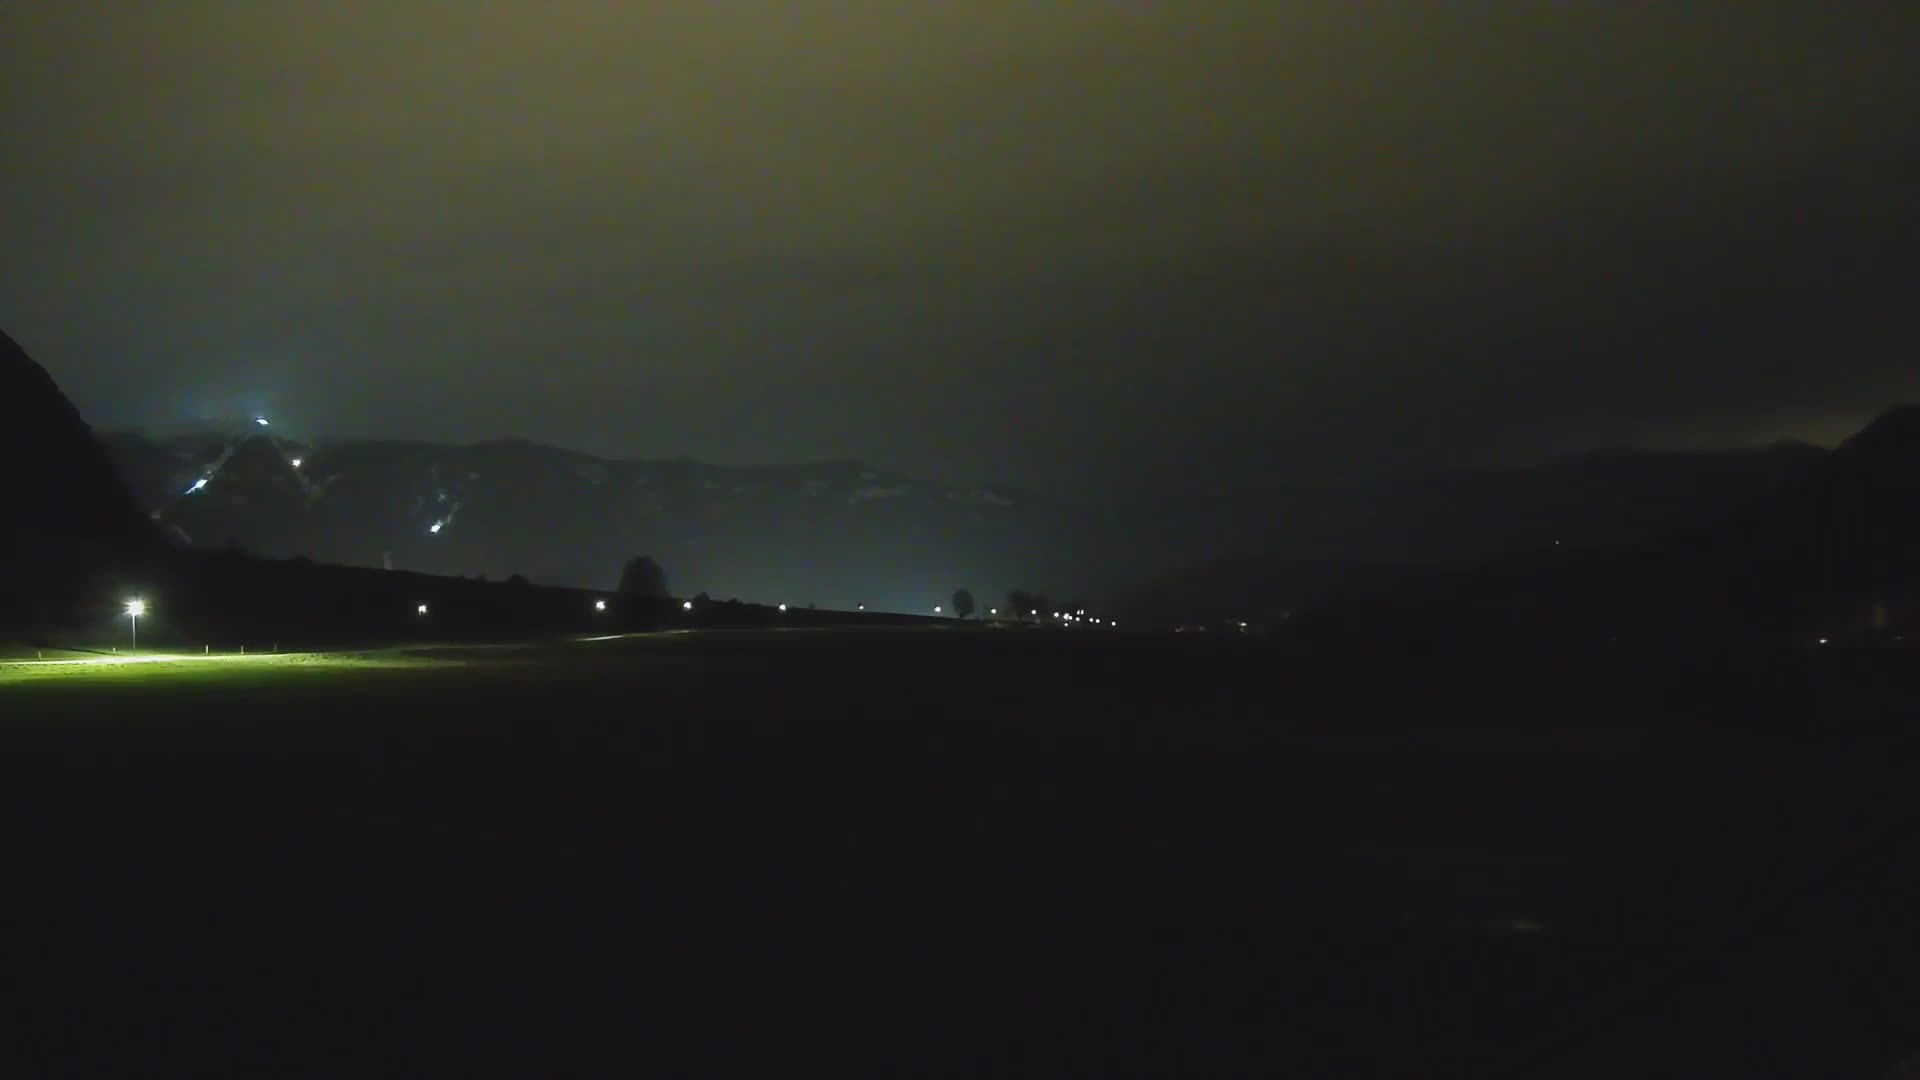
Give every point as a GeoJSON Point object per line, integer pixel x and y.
{"type": "Point", "coordinates": [936, 609]}
{"type": "Point", "coordinates": [783, 607]}
{"type": "Point", "coordinates": [261, 420]}
{"type": "Point", "coordinates": [686, 605]}
{"type": "Point", "coordinates": [599, 605]}
{"type": "Point", "coordinates": [295, 463]}
{"type": "Point", "coordinates": [422, 609]}
{"type": "Point", "coordinates": [435, 527]}
{"type": "Point", "coordinates": [197, 485]}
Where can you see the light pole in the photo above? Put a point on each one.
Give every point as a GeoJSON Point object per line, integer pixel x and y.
{"type": "Point", "coordinates": [135, 609]}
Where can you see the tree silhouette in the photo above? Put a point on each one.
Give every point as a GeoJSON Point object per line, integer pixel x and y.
{"type": "Point", "coordinates": [642, 576]}
{"type": "Point", "coordinates": [963, 603]}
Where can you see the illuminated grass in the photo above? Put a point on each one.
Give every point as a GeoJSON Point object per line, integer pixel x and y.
{"type": "Point", "coordinates": [148, 666]}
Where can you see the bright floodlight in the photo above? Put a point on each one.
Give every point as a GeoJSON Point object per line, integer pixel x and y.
{"type": "Point", "coordinates": [936, 609]}
{"type": "Point", "coordinates": [435, 527]}
{"type": "Point", "coordinates": [686, 605]}
{"type": "Point", "coordinates": [783, 607]}
{"type": "Point", "coordinates": [599, 605]}
{"type": "Point", "coordinates": [261, 420]}
{"type": "Point", "coordinates": [135, 608]}
{"type": "Point", "coordinates": [294, 462]}
{"type": "Point", "coordinates": [422, 609]}
{"type": "Point", "coordinates": [1033, 613]}
{"type": "Point", "coordinates": [993, 611]}
{"type": "Point", "coordinates": [863, 607]}
{"type": "Point", "coordinates": [197, 485]}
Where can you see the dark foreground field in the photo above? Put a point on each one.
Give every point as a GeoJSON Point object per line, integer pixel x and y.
{"type": "Point", "coordinates": [960, 853]}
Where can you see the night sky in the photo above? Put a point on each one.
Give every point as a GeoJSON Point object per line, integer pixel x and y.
{"type": "Point", "coordinates": [1072, 245]}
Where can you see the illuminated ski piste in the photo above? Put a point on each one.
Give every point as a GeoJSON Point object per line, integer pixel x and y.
{"type": "Point", "coordinates": [259, 430]}
{"type": "Point", "coordinates": [295, 461]}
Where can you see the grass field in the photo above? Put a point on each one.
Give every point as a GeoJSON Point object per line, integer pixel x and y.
{"type": "Point", "coordinates": [956, 849]}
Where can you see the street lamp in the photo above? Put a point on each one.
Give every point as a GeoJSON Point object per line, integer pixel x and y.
{"type": "Point", "coordinates": [135, 609]}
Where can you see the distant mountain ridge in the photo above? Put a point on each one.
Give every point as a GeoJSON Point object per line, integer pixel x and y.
{"type": "Point", "coordinates": [1830, 556]}
{"type": "Point", "coordinates": [1690, 546]}
{"type": "Point", "coordinates": [842, 533]}
{"type": "Point", "coordinates": [838, 532]}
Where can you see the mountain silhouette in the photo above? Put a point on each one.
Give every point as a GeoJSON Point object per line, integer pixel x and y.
{"type": "Point", "coordinates": [70, 518]}
{"type": "Point", "coordinates": [1831, 555]}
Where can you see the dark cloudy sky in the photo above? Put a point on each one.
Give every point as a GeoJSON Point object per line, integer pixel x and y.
{"type": "Point", "coordinates": [1182, 244]}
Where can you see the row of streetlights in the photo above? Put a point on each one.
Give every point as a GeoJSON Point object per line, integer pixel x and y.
{"type": "Point", "coordinates": [137, 607]}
